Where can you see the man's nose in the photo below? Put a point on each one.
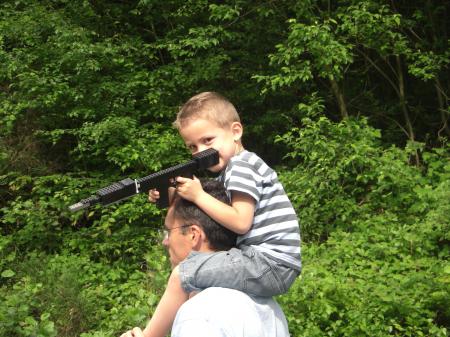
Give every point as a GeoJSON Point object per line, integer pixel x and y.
{"type": "Point", "coordinates": [165, 242]}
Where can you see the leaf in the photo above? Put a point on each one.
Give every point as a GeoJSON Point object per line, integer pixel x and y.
{"type": "Point", "coordinates": [447, 270]}
{"type": "Point", "coordinates": [8, 273]}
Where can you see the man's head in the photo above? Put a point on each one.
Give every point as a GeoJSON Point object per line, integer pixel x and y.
{"type": "Point", "coordinates": [208, 120]}
{"type": "Point", "coordinates": [189, 228]}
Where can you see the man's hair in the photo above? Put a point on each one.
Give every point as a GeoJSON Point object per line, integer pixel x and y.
{"type": "Point", "coordinates": [219, 237]}
{"type": "Point", "coordinates": [210, 106]}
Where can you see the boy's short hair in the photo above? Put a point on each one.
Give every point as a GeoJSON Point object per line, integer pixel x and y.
{"type": "Point", "coordinates": [207, 105]}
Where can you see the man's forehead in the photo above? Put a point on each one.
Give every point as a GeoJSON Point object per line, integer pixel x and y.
{"type": "Point", "coordinates": [171, 220]}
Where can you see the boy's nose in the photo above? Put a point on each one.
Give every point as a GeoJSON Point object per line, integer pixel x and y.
{"type": "Point", "coordinates": [202, 148]}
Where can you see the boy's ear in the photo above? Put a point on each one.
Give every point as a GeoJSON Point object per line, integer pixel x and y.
{"type": "Point", "coordinates": [237, 130]}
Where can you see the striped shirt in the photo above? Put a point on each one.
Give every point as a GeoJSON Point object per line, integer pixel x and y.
{"type": "Point", "coordinates": [275, 230]}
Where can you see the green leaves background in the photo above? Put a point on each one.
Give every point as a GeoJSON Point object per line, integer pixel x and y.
{"type": "Point", "coordinates": [348, 100]}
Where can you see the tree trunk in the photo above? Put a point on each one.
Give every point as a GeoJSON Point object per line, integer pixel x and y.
{"type": "Point", "coordinates": [443, 105]}
{"type": "Point", "coordinates": [340, 98]}
{"type": "Point", "coordinates": [403, 106]}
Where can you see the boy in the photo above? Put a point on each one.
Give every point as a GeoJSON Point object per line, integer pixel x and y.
{"type": "Point", "coordinates": [268, 259]}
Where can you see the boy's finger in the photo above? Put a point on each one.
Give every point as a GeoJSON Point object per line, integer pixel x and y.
{"type": "Point", "coordinates": [181, 180]}
{"type": "Point", "coordinates": [153, 192]}
{"type": "Point", "coordinates": [153, 195]}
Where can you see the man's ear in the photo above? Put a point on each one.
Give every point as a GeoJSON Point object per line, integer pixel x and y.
{"type": "Point", "coordinates": [237, 130]}
{"type": "Point", "coordinates": [196, 234]}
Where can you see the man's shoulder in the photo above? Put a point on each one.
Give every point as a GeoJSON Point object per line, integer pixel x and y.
{"type": "Point", "coordinates": [230, 311]}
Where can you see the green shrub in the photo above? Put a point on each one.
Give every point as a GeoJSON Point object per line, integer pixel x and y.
{"type": "Point", "coordinates": [69, 295]}
{"type": "Point", "coordinates": [383, 268]}
{"type": "Point", "coordinates": [375, 282]}
{"type": "Point", "coordinates": [343, 173]}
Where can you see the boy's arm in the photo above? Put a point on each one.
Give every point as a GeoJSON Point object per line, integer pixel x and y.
{"type": "Point", "coordinates": [238, 217]}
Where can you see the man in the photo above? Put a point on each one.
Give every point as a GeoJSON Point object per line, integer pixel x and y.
{"type": "Point", "coordinates": [214, 312]}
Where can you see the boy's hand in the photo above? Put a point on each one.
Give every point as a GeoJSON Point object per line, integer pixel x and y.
{"type": "Point", "coordinates": [189, 189]}
{"type": "Point", "coordinates": [153, 195]}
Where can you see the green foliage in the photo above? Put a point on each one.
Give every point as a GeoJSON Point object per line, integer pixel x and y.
{"type": "Point", "coordinates": [353, 286]}
{"type": "Point", "coordinates": [387, 277]}
{"type": "Point", "coordinates": [69, 295]}
{"type": "Point", "coordinates": [17, 316]}
{"type": "Point", "coordinates": [310, 50]}
{"type": "Point", "coordinates": [344, 173]}
{"type": "Point", "coordinates": [88, 92]}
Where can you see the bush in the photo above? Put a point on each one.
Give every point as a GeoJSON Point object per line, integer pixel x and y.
{"type": "Point", "coordinates": [375, 282]}
{"type": "Point", "coordinates": [69, 295]}
{"type": "Point", "coordinates": [377, 233]}
{"type": "Point", "coordinates": [344, 174]}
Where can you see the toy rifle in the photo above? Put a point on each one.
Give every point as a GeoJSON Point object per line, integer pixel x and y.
{"type": "Point", "coordinates": [161, 181]}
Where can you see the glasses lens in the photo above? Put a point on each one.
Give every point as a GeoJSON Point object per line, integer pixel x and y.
{"type": "Point", "coordinates": [164, 234]}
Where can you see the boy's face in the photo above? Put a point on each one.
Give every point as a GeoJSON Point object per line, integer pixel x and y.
{"type": "Point", "coordinates": [202, 134]}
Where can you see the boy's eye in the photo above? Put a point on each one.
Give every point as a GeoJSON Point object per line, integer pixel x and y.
{"type": "Point", "coordinates": [192, 148]}
{"type": "Point", "coordinates": [208, 140]}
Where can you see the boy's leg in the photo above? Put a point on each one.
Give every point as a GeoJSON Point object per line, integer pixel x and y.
{"type": "Point", "coordinates": [246, 270]}
{"type": "Point", "coordinates": [174, 296]}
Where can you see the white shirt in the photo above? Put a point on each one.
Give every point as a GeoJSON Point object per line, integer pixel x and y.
{"type": "Point", "coordinates": [221, 312]}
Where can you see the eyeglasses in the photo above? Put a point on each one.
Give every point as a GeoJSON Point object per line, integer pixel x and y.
{"type": "Point", "coordinates": [166, 232]}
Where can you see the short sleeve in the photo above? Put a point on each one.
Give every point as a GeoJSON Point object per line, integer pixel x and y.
{"type": "Point", "coordinates": [241, 176]}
